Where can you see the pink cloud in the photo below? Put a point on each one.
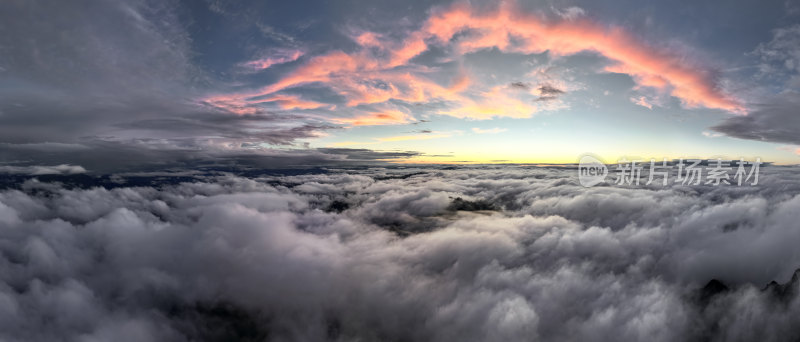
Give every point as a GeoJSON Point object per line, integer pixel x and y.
{"type": "Point", "coordinates": [642, 101]}
{"type": "Point", "coordinates": [292, 102]}
{"type": "Point", "coordinates": [649, 66]}
{"type": "Point", "coordinates": [242, 106]}
{"type": "Point", "coordinates": [382, 70]}
{"type": "Point", "coordinates": [493, 103]}
{"type": "Point", "coordinates": [388, 117]}
{"type": "Point", "coordinates": [276, 57]}
{"type": "Point", "coordinates": [368, 39]}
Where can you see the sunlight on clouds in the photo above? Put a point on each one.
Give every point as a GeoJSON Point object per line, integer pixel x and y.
{"type": "Point", "coordinates": [382, 70]}
{"type": "Point", "coordinates": [389, 117]}
{"type": "Point", "coordinates": [292, 102]}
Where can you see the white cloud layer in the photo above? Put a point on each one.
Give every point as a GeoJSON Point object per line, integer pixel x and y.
{"type": "Point", "coordinates": [37, 170]}
{"type": "Point", "coordinates": [384, 254]}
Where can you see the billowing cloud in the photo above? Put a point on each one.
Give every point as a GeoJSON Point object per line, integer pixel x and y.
{"type": "Point", "coordinates": [439, 254]}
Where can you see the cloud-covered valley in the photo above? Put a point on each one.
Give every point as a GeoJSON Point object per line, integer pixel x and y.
{"type": "Point", "coordinates": [506, 253]}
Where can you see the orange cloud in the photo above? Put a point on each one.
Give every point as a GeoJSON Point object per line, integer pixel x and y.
{"type": "Point", "coordinates": [292, 102]}
{"type": "Point", "coordinates": [382, 71]}
{"type": "Point", "coordinates": [493, 103]}
{"type": "Point", "coordinates": [460, 83]}
{"type": "Point", "coordinates": [367, 39]}
{"type": "Point", "coordinates": [241, 105]}
{"type": "Point", "coordinates": [389, 117]}
{"type": "Point", "coordinates": [323, 68]}
{"type": "Point", "coordinates": [649, 66]}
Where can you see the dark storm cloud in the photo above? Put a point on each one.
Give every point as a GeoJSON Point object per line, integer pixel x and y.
{"type": "Point", "coordinates": [228, 126]}
{"type": "Point", "coordinates": [234, 258]}
{"type": "Point", "coordinates": [775, 121]}
{"type": "Point", "coordinates": [91, 63]}
{"type": "Point", "coordinates": [774, 118]}
{"type": "Point", "coordinates": [98, 156]}
{"type": "Point", "coordinates": [115, 78]}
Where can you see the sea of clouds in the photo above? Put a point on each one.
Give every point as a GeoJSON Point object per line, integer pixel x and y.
{"type": "Point", "coordinates": [506, 253]}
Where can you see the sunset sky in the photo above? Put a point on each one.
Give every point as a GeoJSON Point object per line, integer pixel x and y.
{"type": "Point", "coordinates": [362, 170]}
{"type": "Point", "coordinates": [419, 81]}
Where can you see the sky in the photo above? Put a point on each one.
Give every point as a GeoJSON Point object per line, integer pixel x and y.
{"type": "Point", "coordinates": [395, 171]}
{"type": "Point", "coordinates": [107, 85]}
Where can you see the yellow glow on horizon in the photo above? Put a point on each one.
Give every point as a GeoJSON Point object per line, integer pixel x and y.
{"type": "Point", "coordinates": [413, 137]}
{"type": "Point", "coordinates": [509, 147]}
{"type": "Point", "coordinates": [455, 159]}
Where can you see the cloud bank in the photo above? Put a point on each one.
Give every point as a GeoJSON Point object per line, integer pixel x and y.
{"type": "Point", "coordinates": [440, 254]}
